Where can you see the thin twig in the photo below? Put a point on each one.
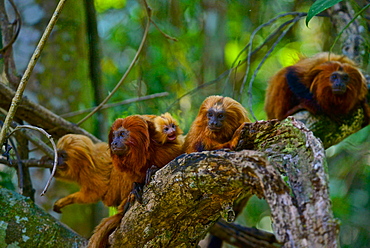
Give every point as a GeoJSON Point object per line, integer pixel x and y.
{"type": "Point", "coordinates": [163, 33]}
{"type": "Point", "coordinates": [251, 43]}
{"type": "Point", "coordinates": [267, 40]}
{"type": "Point", "coordinates": [126, 73]}
{"type": "Point", "coordinates": [28, 135]}
{"type": "Point", "coordinates": [28, 163]}
{"type": "Point", "coordinates": [228, 72]}
{"type": "Point", "coordinates": [225, 73]}
{"type": "Point", "coordinates": [282, 35]}
{"type": "Point", "coordinates": [54, 148]}
{"type": "Point", "coordinates": [110, 105]}
{"type": "Point", "coordinates": [19, 167]}
{"type": "Point", "coordinates": [22, 85]}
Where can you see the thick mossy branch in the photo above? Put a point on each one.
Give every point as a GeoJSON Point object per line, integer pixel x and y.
{"type": "Point", "coordinates": [23, 224]}
{"type": "Point", "coordinates": [186, 197]}
{"type": "Point", "coordinates": [332, 132]}
{"type": "Point", "coordinates": [280, 161]}
{"type": "Point", "coordinates": [300, 157]}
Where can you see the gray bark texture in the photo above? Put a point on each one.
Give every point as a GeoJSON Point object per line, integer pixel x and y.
{"type": "Point", "coordinates": [280, 161]}
{"type": "Point", "coordinates": [23, 224]}
{"type": "Point", "coordinates": [354, 39]}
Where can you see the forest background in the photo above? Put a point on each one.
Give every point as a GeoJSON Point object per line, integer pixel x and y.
{"type": "Point", "coordinates": [209, 37]}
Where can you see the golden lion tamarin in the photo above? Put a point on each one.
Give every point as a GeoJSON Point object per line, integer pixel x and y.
{"type": "Point", "coordinates": [167, 129]}
{"type": "Point", "coordinates": [89, 165]}
{"type": "Point", "coordinates": [218, 119]}
{"type": "Point", "coordinates": [332, 87]}
{"type": "Point", "coordinates": [137, 143]}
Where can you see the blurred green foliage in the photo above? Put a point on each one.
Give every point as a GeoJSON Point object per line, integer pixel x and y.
{"type": "Point", "coordinates": [210, 36]}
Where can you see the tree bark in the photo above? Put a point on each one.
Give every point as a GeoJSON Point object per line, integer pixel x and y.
{"type": "Point", "coordinates": [329, 131]}
{"type": "Point", "coordinates": [23, 224]}
{"type": "Point", "coordinates": [101, 126]}
{"type": "Point", "coordinates": [243, 237]}
{"type": "Point", "coordinates": [354, 38]}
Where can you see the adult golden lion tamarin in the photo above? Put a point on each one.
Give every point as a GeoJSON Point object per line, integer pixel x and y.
{"type": "Point", "coordinates": [213, 128]}
{"type": "Point", "coordinates": [332, 86]}
{"type": "Point", "coordinates": [137, 143]}
{"type": "Point", "coordinates": [89, 165]}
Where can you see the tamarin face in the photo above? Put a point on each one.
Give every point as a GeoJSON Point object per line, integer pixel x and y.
{"type": "Point", "coordinates": [170, 131]}
{"type": "Point", "coordinates": [62, 165]}
{"type": "Point", "coordinates": [120, 138]}
{"type": "Point", "coordinates": [216, 118]}
{"type": "Point", "coordinates": [167, 129]}
{"type": "Point", "coordinates": [339, 81]}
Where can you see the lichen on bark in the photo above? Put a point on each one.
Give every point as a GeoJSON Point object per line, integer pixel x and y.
{"type": "Point", "coordinates": [23, 224]}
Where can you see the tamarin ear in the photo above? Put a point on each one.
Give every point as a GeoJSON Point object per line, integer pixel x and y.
{"type": "Point", "coordinates": [218, 118]}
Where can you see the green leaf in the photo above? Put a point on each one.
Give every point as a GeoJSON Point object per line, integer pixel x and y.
{"type": "Point", "coordinates": [318, 7]}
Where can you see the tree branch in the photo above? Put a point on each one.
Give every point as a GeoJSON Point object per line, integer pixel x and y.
{"type": "Point", "coordinates": [39, 116]}
{"type": "Point", "coordinates": [23, 224]}
{"type": "Point", "coordinates": [286, 167]}
{"type": "Point", "coordinates": [354, 36]}
{"type": "Point", "coordinates": [115, 104]}
{"type": "Point", "coordinates": [331, 132]}
{"type": "Point", "coordinates": [244, 237]}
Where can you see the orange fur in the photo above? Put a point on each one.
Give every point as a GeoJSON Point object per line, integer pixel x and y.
{"type": "Point", "coordinates": [135, 146]}
{"type": "Point", "coordinates": [311, 84]}
{"type": "Point", "coordinates": [89, 165]}
{"type": "Point", "coordinates": [166, 138]}
{"type": "Point", "coordinates": [167, 129]}
{"type": "Point", "coordinates": [202, 136]}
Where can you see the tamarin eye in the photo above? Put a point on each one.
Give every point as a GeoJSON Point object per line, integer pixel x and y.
{"type": "Point", "coordinates": [173, 126]}
{"type": "Point", "coordinates": [165, 129]}
{"type": "Point", "coordinates": [345, 78]}
{"type": "Point", "coordinates": [209, 114]}
{"type": "Point", "coordinates": [220, 116]}
{"type": "Point", "coordinates": [334, 77]}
